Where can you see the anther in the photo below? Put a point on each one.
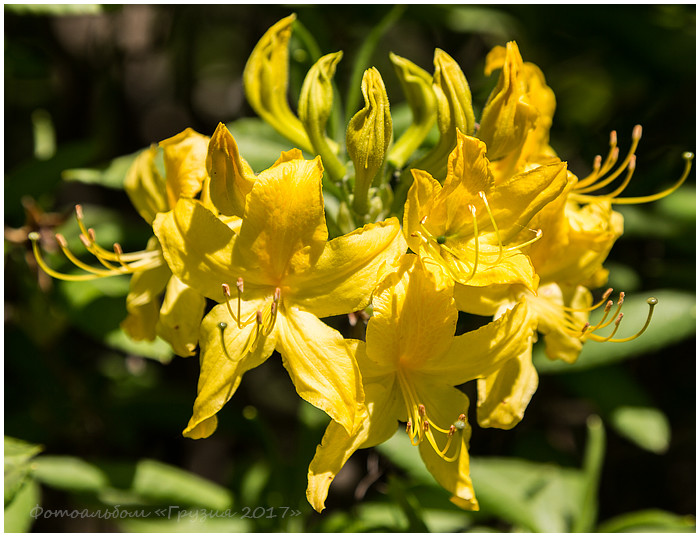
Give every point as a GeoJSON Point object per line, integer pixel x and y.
{"type": "Point", "coordinates": [278, 294]}
{"type": "Point", "coordinates": [226, 289]}
{"type": "Point", "coordinates": [259, 317]}
{"type": "Point", "coordinates": [608, 306]}
{"type": "Point", "coordinates": [613, 138]}
{"type": "Point", "coordinates": [633, 163]}
{"type": "Point", "coordinates": [426, 425]}
{"type": "Point", "coordinates": [597, 161]}
{"type": "Point", "coordinates": [424, 219]}
{"type": "Point", "coordinates": [637, 132]}
{"type": "Point", "coordinates": [85, 241]}
{"type": "Point", "coordinates": [409, 426]}
{"type": "Point", "coordinates": [91, 234]}
{"type": "Point", "coordinates": [607, 293]}
{"type": "Point", "coordinates": [61, 240]}
{"type": "Point", "coordinates": [239, 285]}
{"type": "Point", "coordinates": [118, 249]}
{"type": "Point", "coordinates": [421, 410]}
{"type": "Point", "coordinates": [585, 328]}
{"type": "Point", "coordinates": [621, 299]}
{"type": "Point", "coordinates": [79, 211]}
{"type": "Point", "coordinates": [452, 430]}
{"type": "Point", "coordinates": [462, 418]}
{"type": "Point", "coordinates": [619, 319]}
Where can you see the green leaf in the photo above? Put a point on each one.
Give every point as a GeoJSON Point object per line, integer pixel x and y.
{"type": "Point", "coordinates": [592, 466]}
{"type": "Point", "coordinates": [18, 455]}
{"type": "Point", "coordinates": [537, 497]}
{"type": "Point", "coordinates": [161, 482]}
{"type": "Point", "coordinates": [18, 513]}
{"type": "Point", "coordinates": [158, 349]}
{"type": "Point", "coordinates": [649, 521]}
{"type": "Point", "coordinates": [674, 321]}
{"type": "Point", "coordinates": [190, 521]}
{"type": "Point", "coordinates": [647, 427]}
{"type": "Point", "coordinates": [69, 473]}
{"type": "Point", "coordinates": [55, 9]}
{"type": "Point", "coordinates": [111, 176]}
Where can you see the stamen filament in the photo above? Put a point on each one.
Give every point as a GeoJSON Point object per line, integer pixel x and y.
{"type": "Point", "coordinates": [482, 195]}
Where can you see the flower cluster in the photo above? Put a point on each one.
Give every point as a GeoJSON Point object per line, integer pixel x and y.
{"type": "Point", "coordinates": [488, 221]}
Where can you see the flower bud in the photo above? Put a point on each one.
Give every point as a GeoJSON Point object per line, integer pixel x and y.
{"type": "Point", "coordinates": [508, 117]}
{"type": "Point", "coordinates": [454, 112]}
{"type": "Point", "coordinates": [266, 77]}
{"type": "Point", "coordinates": [231, 179]}
{"type": "Point", "coordinates": [315, 105]}
{"type": "Point", "coordinates": [368, 136]}
{"type": "Point", "coordinates": [417, 87]}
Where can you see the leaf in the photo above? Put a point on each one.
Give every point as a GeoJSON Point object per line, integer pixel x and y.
{"type": "Point", "coordinates": [161, 482]}
{"type": "Point", "coordinates": [258, 143]}
{"type": "Point", "coordinates": [111, 176]}
{"type": "Point", "coordinates": [55, 9]}
{"type": "Point", "coordinates": [673, 321]}
{"type": "Point", "coordinates": [647, 427]}
{"type": "Point", "coordinates": [18, 455]}
{"type": "Point", "coordinates": [592, 466]}
{"type": "Point", "coordinates": [538, 497]}
{"type": "Point", "coordinates": [69, 473]}
{"type": "Point", "coordinates": [18, 513]}
{"type": "Point", "coordinates": [649, 521]}
{"type": "Point", "coordinates": [158, 349]}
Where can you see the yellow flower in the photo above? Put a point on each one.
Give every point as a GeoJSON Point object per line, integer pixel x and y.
{"type": "Point", "coordinates": [177, 316]}
{"type": "Point", "coordinates": [468, 226]}
{"type": "Point", "coordinates": [286, 275]}
{"type": "Point", "coordinates": [410, 365]}
{"type": "Point", "coordinates": [266, 79]}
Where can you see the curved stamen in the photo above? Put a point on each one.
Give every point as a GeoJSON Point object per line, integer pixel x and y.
{"type": "Point", "coordinates": [145, 260]}
{"type": "Point", "coordinates": [590, 185]}
{"type": "Point", "coordinates": [587, 332]}
{"type": "Point", "coordinates": [482, 195]}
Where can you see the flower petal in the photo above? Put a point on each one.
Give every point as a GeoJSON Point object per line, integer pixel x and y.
{"type": "Point", "coordinates": [505, 394]}
{"type": "Point", "coordinates": [479, 353]}
{"type": "Point", "coordinates": [320, 364]}
{"type": "Point", "coordinates": [184, 156]}
{"type": "Point", "coordinates": [180, 317]}
{"type": "Point", "coordinates": [145, 186]}
{"type": "Point", "coordinates": [231, 177]}
{"type": "Point", "coordinates": [343, 278]}
{"type": "Point", "coordinates": [414, 317]}
{"type": "Point", "coordinates": [223, 361]}
{"type": "Point", "coordinates": [374, 424]}
{"type": "Point", "coordinates": [284, 225]}
{"type": "Point", "coordinates": [199, 250]}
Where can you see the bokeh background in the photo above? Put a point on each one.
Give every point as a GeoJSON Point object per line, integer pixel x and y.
{"type": "Point", "coordinates": [86, 85]}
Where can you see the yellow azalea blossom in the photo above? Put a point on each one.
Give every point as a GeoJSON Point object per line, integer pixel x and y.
{"type": "Point", "coordinates": [410, 366]}
{"type": "Point", "coordinates": [468, 226]}
{"type": "Point", "coordinates": [177, 316]}
{"type": "Point", "coordinates": [285, 275]}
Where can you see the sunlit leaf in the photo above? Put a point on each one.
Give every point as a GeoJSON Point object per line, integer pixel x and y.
{"type": "Point", "coordinates": [18, 455]}
{"type": "Point", "coordinates": [69, 473]}
{"type": "Point", "coordinates": [161, 482]}
{"type": "Point", "coordinates": [647, 427]}
{"type": "Point", "coordinates": [674, 321]}
{"type": "Point", "coordinates": [649, 521]}
{"type": "Point", "coordinates": [112, 176]}
{"type": "Point", "coordinates": [18, 517]}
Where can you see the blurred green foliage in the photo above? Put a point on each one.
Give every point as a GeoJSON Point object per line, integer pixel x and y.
{"type": "Point", "coordinates": [99, 416]}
